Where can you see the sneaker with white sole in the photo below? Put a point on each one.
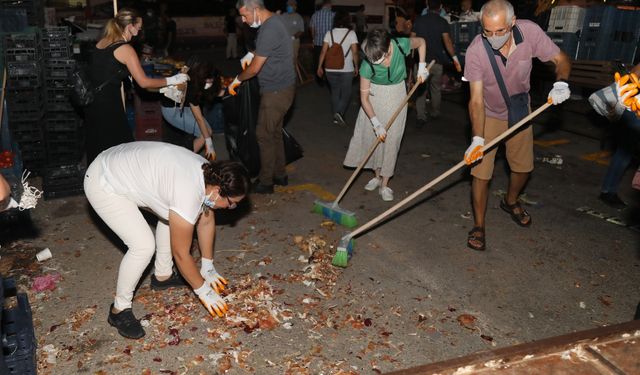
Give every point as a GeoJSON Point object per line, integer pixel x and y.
{"type": "Point", "coordinates": [386, 193]}
{"type": "Point", "coordinates": [373, 184]}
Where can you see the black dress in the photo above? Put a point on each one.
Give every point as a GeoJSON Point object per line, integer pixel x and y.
{"type": "Point", "coordinates": [105, 118]}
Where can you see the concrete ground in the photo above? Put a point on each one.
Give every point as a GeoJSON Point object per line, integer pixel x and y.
{"type": "Point", "coordinates": [413, 293]}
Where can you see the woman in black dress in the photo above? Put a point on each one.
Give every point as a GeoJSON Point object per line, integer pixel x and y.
{"type": "Point", "coordinates": [112, 60]}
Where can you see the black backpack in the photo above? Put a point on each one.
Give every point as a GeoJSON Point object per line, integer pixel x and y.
{"type": "Point", "coordinates": [82, 90]}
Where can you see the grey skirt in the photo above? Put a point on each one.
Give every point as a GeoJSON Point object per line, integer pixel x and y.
{"type": "Point", "coordinates": [385, 99]}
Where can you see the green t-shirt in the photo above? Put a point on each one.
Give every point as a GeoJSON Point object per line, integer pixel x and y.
{"type": "Point", "coordinates": [395, 73]}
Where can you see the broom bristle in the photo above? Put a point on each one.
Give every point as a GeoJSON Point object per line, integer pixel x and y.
{"type": "Point", "coordinates": [345, 249]}
{"type": "Point", "coordinates": [335, 214]}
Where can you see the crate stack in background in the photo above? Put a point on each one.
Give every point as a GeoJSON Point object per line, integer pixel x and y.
{"type": "Point", "coordinates": [64, 136]}
{"type": "Point", "coordinates": [25, 95]}
{"type": "Point", "coordinates": [19, 345]}
{"type": "Point", "coordinates": [600, 33]}
{"type": "Point", "coordinates": [463, 34]}
{"type": "Point", "coordinates": [565, 23]}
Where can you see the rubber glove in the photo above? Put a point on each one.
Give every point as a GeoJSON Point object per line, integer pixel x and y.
{"type": "Point", "coordinates": [11, 204]}
{"type": "Point", "coordinates": [456, 63]}
{"type": "Point", "coordinates": [423, 73]}
{"type": "Point", "coordinates": [211, 276]}
{"type": "Point", "coordinates": [559, 93]}
{"type": "Point", "coordinates": [209, 151]}
{"type": "Point", "coordinates": [378, 128]}
{"type": "Point", "coordinates": [474, 151]}
{"type": "Point", "coordinates": [177, 79]}
{"type": "Point", "coordinates": [232, 87]}
{"type": "Point", "coordinates": [626, 90]}
{"type": "Point", "coordinates": [211, 300]}
{"type": "Point", "coordinates": [245, 61]}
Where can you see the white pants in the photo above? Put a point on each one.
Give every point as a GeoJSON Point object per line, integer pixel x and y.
{"type": "Point", "coordinates": [125, 219]}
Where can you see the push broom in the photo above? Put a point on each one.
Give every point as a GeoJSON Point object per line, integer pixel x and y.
{"type": "Point", "coordinates": [345, 247]}
{"type": "Point", "coordinates": [331, 210]}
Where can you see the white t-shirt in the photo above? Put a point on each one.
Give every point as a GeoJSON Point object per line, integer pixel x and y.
{"type": "Point", "coordinates": [158, 176]}
{"type": "Point", "coordinates": [338, 34]}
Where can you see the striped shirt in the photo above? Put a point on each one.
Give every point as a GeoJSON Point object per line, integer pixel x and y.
{"type": "Point", "coordinates": [321, 22]}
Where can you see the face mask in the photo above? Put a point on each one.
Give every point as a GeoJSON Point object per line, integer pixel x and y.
{"type": "Point", "coordinates": [498, 41]}
{"type": "Point", "coordinates": [209, 203]}
{"type": "Point", "coordinates": [256, 22]}
{"type": "Point", "coordinates": [289, 9]}
{"type": "Point", "coordinates": [208, 85]}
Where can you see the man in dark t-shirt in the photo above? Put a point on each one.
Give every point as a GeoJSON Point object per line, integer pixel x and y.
{"type": "Point", "coordinates": [435, 31]}
{"type": "Point", "coordinates": [273, 64]}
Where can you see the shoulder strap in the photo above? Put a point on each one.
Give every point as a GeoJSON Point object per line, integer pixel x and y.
{"type": "Point", "coordinates": [103, 84]}
{"type": "Point", "coordinates": [331, 34]}
{"type": "Point", "coordinates": [398, 45]}
{"type": "Point", "coordinates": [496, 71]}
{"type": "Point", "coordinates": [345, 37]}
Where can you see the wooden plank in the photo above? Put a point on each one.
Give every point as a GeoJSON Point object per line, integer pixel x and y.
{"type": "Point", "coordinates": [553, 349]}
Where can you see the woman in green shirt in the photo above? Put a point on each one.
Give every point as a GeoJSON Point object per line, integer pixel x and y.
{"type": "Point", "coordinates": [382, 90]}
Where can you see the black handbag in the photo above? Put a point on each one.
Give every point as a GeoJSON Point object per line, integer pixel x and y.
{"type": "Point", "coordinates": [517, 104]}
{"type": "Point", "coordinates": [292, 149]}
{"type": "Point", "coordinates": [82, 91]}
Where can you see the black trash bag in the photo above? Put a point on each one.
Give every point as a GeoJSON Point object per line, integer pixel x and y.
{"type": "Point", "coordinates": [241, 116]}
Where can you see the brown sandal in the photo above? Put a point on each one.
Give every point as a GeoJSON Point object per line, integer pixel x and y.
{"type": "Point", "coordinates": [476, 240]}
{"type": "Point", "coordinates": [522, 218]}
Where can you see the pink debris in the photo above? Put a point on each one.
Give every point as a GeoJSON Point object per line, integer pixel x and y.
{"type": "Point", "coordinates": [46, 282]}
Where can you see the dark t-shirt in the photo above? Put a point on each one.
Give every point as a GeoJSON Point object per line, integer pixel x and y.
{"type": "Point", "coordinates": [431, 27]}
{"type": "Point", "coordinates": [274, 43]}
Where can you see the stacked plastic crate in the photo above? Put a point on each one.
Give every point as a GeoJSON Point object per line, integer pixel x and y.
{"type": "Point", "coordinates": [25, 96]}
{"type": "Point", "coordinates": [565, 23]}
{"type": "Point", "coordinates": [463, 34]}
{"type": "Point", "coordinates": [18, 346]}
{"type": "Point", "coordinates": [609, 33]}
{"type": "Point", "coordinates": [64, 138]}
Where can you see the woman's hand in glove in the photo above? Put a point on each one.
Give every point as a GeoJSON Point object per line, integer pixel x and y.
{"type": "Point", "coordinates": [211, 300]}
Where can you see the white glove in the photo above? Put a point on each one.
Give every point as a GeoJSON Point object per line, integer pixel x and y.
{"type": "Point", "coordinates": [177, 79]}
{"type": "Point", "coordinates": [211, 300]}
{"type": "Point", "coordinates": [423, 73]}
{"type": "Point", "coordinates": [233, 86]}
{"type": "Point", "coordinates": [456, 63]}
{"type": "Point", "coordinates": [209, 150]}
{"type": "Point", "coordinates": [173, 93]}
{"type": "Point", "coordinates": [378, 128]}
{"type": "Point", "coordinates": [246, 60]}
{"type": "Point", "coordinates": [474, 151]}
{"type": "Point", "coordinates": [211, 276]}
{"type": "Point", "coordinates": [560, 92]}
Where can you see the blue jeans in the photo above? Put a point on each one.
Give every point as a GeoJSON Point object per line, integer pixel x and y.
{"type": "Point", "coordinates": [628, 134]}
{"type": "Point", "coordinates": [340, 84]}
{"type": "Point", "coordinates": [183, 120]}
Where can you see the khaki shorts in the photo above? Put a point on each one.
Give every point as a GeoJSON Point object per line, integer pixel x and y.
{"type": "Point", "coordinates": [519, 147]}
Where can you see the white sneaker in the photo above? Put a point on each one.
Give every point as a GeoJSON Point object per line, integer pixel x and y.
{"type": "Point", "coordinates": [373, 184]}
{"type": "Point", "coordinates": [386, 193]}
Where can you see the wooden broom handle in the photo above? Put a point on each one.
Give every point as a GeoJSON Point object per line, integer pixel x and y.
{"type": "Point", "coordinates": [446, 174]}
{"type": "Point", "coordinates": [377, 142]}
{"type": "Point", "coordinates": [4, 85]}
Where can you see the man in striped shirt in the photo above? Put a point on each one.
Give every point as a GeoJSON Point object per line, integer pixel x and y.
{"type": "Point", "coordinates": [321, 22]}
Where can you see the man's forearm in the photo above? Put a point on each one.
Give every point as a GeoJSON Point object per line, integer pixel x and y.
{"type": "Point", "coordinates": [476, 113]}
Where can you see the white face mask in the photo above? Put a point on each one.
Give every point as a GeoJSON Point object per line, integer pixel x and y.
{"type": "Point", "coordinates": [256, 21]}
{"type": "Point", "coordinates": [498, 41]}
{"type": "Point", "coordinates": [208, 85]}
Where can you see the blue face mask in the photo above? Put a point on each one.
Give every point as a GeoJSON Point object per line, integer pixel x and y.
{"type": "Point", "coordinates": [209, 203]}
{"type": "Point", "coordinates": [290, 9]}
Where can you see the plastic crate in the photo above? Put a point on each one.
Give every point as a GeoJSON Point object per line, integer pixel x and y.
{"type": "Point", "coordinates": [59, 52]}
{"type": "Point", "coordinates": [568, 42]}
{"type": "Point", "coordinates": [13, 20]}
{"type": "Point", "coordinates": [464, 32]}
{"type": "Point", "coordinates": [59, 68]}
{"type": "Point", "coordinates": [18, 337]}
{"type": "Point", "coordinates": [27, 39]}
{"type": "Point", "coordinates": [24, 68]}
{"type": "Point", "coordinates": [598, 29]}
{"type": "Point", "coordinates": [33, 8]}
{"type": "Point", "coordinates": [28, 135]}
{"type": "Point", "coordinates": [63, 180]}
{"type": "Point", "coordinates": [23, 54]}
{"type": "Point", "coordinates": [24, 99]}
{"type": "Point", "coordinates": [67, 123]}
{"type": "Point", "coordinates": [26, 115]}
{"type": "Point", "coordinates": [566, 19]}
{"type": "Point", "coordinates": [24, 82]}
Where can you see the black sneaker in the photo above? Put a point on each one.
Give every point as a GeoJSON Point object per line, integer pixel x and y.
{"type": "Point", "coordinates": [281, 181]}
{"type": "Point", "coordinates": [174, 281]}
{"type": "Point", "coordinates": [262, 189]}
{"type": "Point", "coordinates": [126, 323]}
{"type": "Point", "coordinates": [613, 200]}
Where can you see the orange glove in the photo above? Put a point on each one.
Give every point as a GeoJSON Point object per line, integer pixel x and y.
{"type": "Point", "coordinates": [232, 87]}
{"type": "Point", "coordinates": [474, 151]}
{"type": "Point", "coordinates": [211, 300]}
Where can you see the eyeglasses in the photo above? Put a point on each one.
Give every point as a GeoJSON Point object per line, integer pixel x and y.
{"type": "Point", "coordinates": [230, 204]}
{"type": "Point", "coordinates": [500, 32]}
